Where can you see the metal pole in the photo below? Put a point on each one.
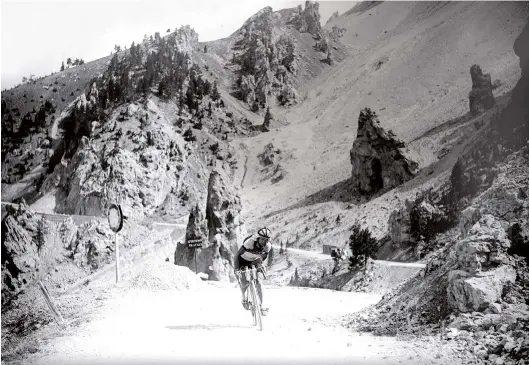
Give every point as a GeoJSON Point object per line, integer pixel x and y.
{"type": "Point", "coordinates": [196, 271]}
{"type": "Point", "coordinates": [117, 257]}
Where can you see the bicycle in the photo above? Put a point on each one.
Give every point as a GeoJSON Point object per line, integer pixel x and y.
{"type": "Point", "coordinates": [254, 303]}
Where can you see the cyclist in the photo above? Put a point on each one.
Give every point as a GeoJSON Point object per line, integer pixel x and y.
{"type": "Point", "coordinates": [253, 252]}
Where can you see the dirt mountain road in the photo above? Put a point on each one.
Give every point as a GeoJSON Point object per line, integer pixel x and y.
{"type": "Point", "coordinates": [208, 325]}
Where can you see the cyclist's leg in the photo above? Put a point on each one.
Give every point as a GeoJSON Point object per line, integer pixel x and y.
{"type": "Point", "coordinates": [264, 310]}
{"type": "Point", "coordinates": [243, 284]}
{"type": "Point", "coordinates": [259, 291]}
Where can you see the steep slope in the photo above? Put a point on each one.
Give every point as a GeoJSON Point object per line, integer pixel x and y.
{"type": "Point", "coordinates": [415, 76]}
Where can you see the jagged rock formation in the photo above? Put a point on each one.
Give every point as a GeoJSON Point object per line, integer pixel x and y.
{"type": "Point", "coordinates": [185, 39]}
{"type": "Point", "coordinates": [377, 157]}
{"type": "Point", "coordinates": [481, 97]}
{"type": "Point", "coordinates": [265, 61]}
{"type": "Point", "coordinates": [308, 20]}
{"type": "Point", "coordinates": [20, 249]}
{"type": "Point", "coordinates": [270, 160]}
{"type": "Point", "coordinates": [221, 228]}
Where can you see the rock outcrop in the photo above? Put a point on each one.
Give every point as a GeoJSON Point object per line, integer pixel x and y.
{"type": "Point", "coordinates": [33, 248]}
{"type": "Point", "coordinates": [138, 170]}
{"type": "Point", "coordinates": [20, 249]}
{"type": "Point", "coordinates": [266, 61]}
{"type": "Point", "coordinates": [308, 20]}
{"type": "Point", "coordinates": [220, 227]}
{"type": "Point", "coordinates": [472, 283]}
{"type": "Point", "coordinates": [481, 97]}
{"type": "Point", "coordinates": [185, 39]}
{"type": "Point", "coordinates": [270, 160]}
{"type": "Point", "coordinates": [399, 224]}
{"type": "Point", "coordinates": [378, 157]}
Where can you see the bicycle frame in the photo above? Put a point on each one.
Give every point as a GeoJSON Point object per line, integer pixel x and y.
{"type": "Point", "coordinates": [255, 304]}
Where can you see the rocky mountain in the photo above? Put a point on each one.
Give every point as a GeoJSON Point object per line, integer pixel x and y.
{"type": "Point", "coordinates": [275, 126]}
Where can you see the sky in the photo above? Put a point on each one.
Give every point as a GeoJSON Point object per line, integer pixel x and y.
{"type": "Point", "coordinates": [37, 35]}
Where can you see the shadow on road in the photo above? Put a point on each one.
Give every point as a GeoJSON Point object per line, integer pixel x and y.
{"type": "Point", "coordinates": [208, 327]}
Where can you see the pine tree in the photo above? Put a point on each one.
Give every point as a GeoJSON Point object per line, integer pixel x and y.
{"type": "Point", "coordinates": [362, 245]}
{"type": "Point", "coordinates": [62, 66]}
{"type": "Point", "coordinates": [215, 92]}
{"type": "Point", "coordinates": [69, 62]}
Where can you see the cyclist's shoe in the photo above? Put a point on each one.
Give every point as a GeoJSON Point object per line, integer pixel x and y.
{"type": "Point", "coordinates": [246, 304]}
{"type": "Point", "coordinates": [264, 312]}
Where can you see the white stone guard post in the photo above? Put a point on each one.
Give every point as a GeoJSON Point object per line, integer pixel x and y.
{"type": "Point", "coordinates": [195, 243]}
{"type": "Point", "coordinates": [115, 222]}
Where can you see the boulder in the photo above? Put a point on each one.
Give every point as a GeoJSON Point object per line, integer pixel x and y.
{"type": "Point", "coordinates": [485, 246]}
{"type": "Point", "coordinates": [476, 293]}
{"type": "Point", "coordinates": [481, 97]}
{"type": "Point", "coordinates": [378, 158]}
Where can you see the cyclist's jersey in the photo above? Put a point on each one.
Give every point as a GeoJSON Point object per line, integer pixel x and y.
{"type": "Point", "coordinates": [248, 251]}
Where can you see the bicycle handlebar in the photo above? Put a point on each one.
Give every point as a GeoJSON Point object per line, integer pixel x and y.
{"type": "Point", "coordinates": [250, 274]}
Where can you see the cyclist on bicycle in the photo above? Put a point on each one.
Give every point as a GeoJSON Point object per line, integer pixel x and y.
{"type": "Point", "coordinates": [253, 252]}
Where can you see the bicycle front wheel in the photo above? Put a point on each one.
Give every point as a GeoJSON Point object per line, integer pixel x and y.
{"type": "Point", "coordinates": [257, 308]}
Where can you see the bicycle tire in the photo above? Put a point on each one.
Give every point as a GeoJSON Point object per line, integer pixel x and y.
{"type": "Point", "coordinates": [257, 308]}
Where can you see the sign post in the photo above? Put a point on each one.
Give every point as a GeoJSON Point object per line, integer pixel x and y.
{"type": "Point", "coordinates": [195, 243]}
{"type": "Point", "coordinates": [115, 221]}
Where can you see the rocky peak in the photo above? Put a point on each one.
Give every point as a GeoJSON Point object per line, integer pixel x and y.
{"type": "Point", "coordinates": [308, 19]}
{"type": "Point", "coordinates": [259, 21]}
{"type": "Point", "coordinates": [481, 97]}
{"type": "Point", "coordinates": [186, 39]}
{"type": "Point", "coordinates": [264, 62]}
{"type": "Point", "coordinates": [378, 157]}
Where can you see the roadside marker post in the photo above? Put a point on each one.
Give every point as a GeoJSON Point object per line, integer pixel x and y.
{"type": "Point", "coordinates": [115, 222]}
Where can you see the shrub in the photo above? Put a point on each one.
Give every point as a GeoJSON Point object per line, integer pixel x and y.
{"type": "Point", "coordinates": [189, 136]}
{"type": "Point", "coordinates": [426, 220]}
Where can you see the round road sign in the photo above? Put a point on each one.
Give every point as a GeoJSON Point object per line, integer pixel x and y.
{"type": "Point", "coordinates": [115, 218]}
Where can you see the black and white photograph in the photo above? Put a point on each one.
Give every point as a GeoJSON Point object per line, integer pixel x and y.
{"type": "Point", "coordinates": [246, 182]}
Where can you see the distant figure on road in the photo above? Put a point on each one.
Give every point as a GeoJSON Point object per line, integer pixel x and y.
{"type": "Point", "coordinates": [337, 256]}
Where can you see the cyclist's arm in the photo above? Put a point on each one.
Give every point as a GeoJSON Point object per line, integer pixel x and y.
{"type": "Point", "coordinates": [237, 263]}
